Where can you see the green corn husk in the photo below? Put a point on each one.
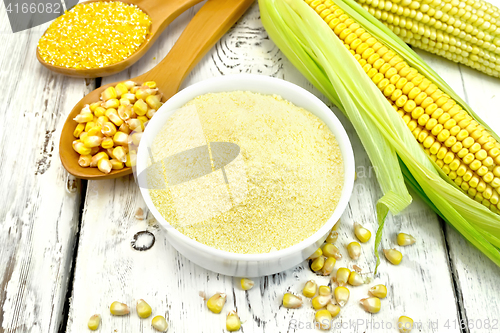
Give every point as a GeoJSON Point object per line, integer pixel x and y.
{"type": "Point", "coordinates": [309, 43]}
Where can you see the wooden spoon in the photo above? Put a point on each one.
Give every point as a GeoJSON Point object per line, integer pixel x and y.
{"type": "Point", "coordinates": [208, 25]}
{"type": "Point", "coordinates": [161, 12]}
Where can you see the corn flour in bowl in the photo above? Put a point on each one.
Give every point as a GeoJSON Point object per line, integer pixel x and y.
{"type": "Point", "coordinates": [245, 175]}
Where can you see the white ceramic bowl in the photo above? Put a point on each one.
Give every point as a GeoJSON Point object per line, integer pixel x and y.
{"type": "Point", "coordinates": [249, 265]}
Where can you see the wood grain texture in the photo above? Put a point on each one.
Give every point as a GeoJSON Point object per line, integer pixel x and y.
{"type": "Point", "coordinates": [40, 204]}
{"type": "Point", "coordinates": [108, 269]}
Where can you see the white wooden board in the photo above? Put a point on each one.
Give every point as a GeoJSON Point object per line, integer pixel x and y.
{"type": "Point", "coordinates": [39, 212]}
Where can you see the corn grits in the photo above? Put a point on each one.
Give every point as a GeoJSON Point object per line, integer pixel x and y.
{"type": "Point", "coordinates": [289, 182]}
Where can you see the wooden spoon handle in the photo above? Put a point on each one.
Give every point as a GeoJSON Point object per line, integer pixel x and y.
{"type": "Point", "coordinates": [163, 12]}
{"type": "Point", "coordinates": [211, 22]}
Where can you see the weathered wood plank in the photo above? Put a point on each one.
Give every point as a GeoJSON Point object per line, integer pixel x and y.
{"type": "Point", "coordinates": [108, 269]}
{"type": "Point", "coordinates": [40, 203]}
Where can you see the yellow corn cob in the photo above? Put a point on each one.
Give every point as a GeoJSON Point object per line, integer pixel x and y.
{"type": "Point", "coordinates": [458, 145]}
{"type": "Point", "coordinates": [465, 32]}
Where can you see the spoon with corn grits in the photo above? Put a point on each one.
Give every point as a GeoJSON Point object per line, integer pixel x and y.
{"type": "Point", "coordinates": [205, 29]}
{"type": "Point", "coordinates": [161, 12]}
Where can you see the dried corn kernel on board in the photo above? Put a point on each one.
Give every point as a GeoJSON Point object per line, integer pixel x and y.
{"type": "Point", "coordinates": [121, 255]}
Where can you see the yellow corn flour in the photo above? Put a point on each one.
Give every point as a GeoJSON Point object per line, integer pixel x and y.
{"type": "Point", "coordinates": [281, 188]}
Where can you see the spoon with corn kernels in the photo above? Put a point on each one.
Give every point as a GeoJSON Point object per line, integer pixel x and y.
{"type": "Point", "coordinates": [95, 139]}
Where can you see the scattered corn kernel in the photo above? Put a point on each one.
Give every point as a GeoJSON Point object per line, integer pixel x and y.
{"type": "Point", "coordinates": [341, 295]}
{"type": "Point", "coordinates": [379, 291]}
{"type": "Point", "coordinates": [328, 266]}
{"type": "Point", "coordinates": [320, 301]}
{"type": "Point", "coordinates": [405, 324]}
{"type": "Point", "coordinates": [216, 302]}
{"type": "Point", "coordinates": [332, 237]}
{"type": "Point", "coordinates": [291, 301]}
{"type": "Point", "coordinates": [324, 319]}
{"type": "Point", "coordinates": [394, 256]}
{"type": "Point", "coordinates": [355, 279]}
{"type": "Point", "coordinates": [405, 239]}
{"type": "Point", "coordinates": [233, 322]}
{"type": "Point", "coordinates": [159, 323]}
{"type": "Point", "coordinates": [143, 309]}
{"type": "Point", "coordinates": [119, 309]}
{"type": "Point", "coordinates": [94, 322]}
{"type": "Point", "coordinates": [331, 250]}
{"type": "Point", "coordinates": [324, 290]}
{"type": "Point", "coordinates": [342, 276]}
{"type": "Point", "coordinates": [362, 233]}
{"type": "Point", "coordinates": [246, 284]}
{"type": "Point", "coordinates": [334, 309]}
{"type": "Point", "coordinates": [354, 250]}
{"type": "Point", "coordinates": [310, 289]}
{"type": "Point", "coordinates": [371, 304]}
{"type": "Point", "coordinates": [318, 253]}
{"type": "Point", "coordinates": [318, 264]}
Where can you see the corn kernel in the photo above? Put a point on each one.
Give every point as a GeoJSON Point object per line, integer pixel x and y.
{"type": "Point", "coordinates": [405, 324]}
{"type": "Point", "coordinates": [394, 256]}
{"type": "Point", "coordinates": [291, 301]}
{"type": "Point", "coordinates": [320, 301]}
{"type": "Point", "coordinates": [371, 304]}
{"type": "Point", "coordinates": [323, 319]}
{"type": "Point", "coordinates": [119, 309]}
{"type": "Point", "coordinates": [78, 130]}
{"type": "Point", "coordinates": [233, 322]}
{"type": "Point", "coordinates": [159, 323]}
{"type": "Point", "coordinates": [331, 250]}
{"type": "Point", "coordinates": [379, 291]}
{"type": "Point", "coordinates": [216, 302]}
{"type": "Point", "coordinates": [318, 253]}
{"type": "Point", "coordinates": [362, 233]}
{"type": "Point", "coordinates": [246, 284]}
{"type": "Point", "coordinates": [355, 279]}
{"type": "Point", "coordinates": [318, 263]}
{"type": "Point", "coordinates": [341, 295]}
{"type": "Point", "coordinates": [84, 161]}
{"type": "Point", "coordinates": [354, 250]}
{"type": "Point", "coordinates": [405, 239]}
{"type": "Point", "coordinates": [94, 322]}
{"type": "Point", "coordinates": [309, 289]}
{"type": "Point", "coordinates": [104, 165]}
{"type": "Point", "coordinates": [116, 165]}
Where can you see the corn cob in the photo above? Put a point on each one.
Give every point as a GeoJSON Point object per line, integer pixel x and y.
{"type": "Point", "coordinates": [465, 32]}
{"type": "Point", "coordinates": [459, 146]}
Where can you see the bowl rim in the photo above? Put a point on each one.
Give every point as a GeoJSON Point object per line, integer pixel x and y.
{"type": "Point", "coordinates": [238, 82]}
